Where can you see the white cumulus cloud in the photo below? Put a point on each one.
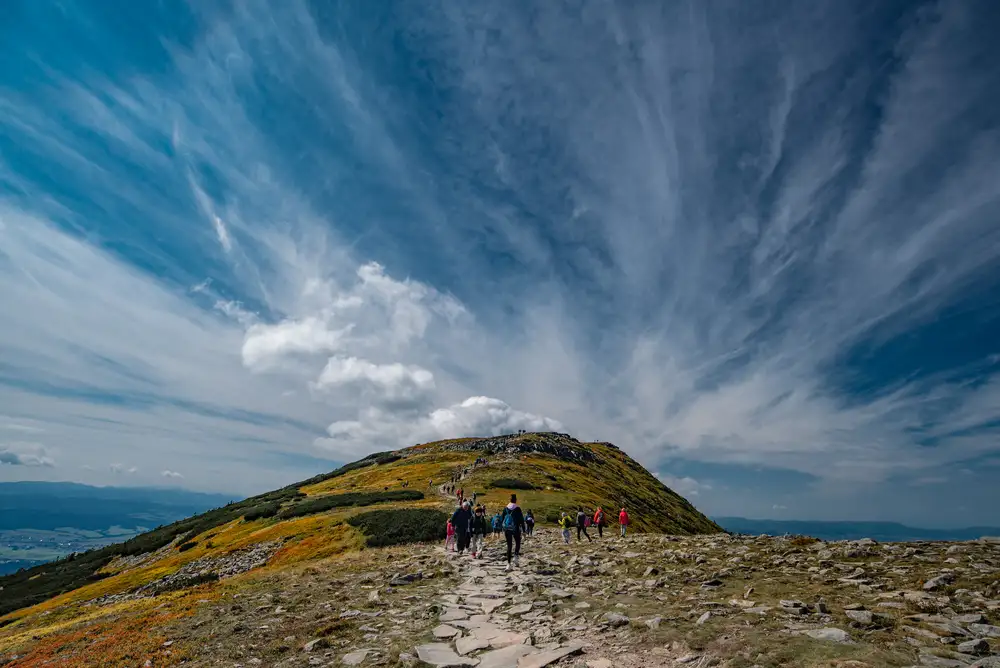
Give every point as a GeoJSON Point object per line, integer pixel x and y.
{"type": "Point", "coordinates": [171, 474]}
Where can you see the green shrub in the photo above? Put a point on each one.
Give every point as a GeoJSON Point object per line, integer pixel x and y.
{"type": "Point", "coordinates": [321, 504]}
{"type": "Point", "coordinates": [511, 483]}
{"type": "Point", "coordinates": [269, 509]}
{"type": "Point", "coordinates": [405, 525]}
{"type": "Point", "coordinates": [186, 546]}
{"type": "Point", "coordinates": [387, 459]}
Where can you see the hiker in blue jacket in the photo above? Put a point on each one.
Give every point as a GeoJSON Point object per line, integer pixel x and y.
{"type": "Point", "coordinates": [512, 521]}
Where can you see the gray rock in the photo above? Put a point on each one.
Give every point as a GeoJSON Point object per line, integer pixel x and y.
{"type": "Point", "coordinates": [862, 617]}
{"type": "Point", "coordinates": [444, 632]}
{"type": "Point", "coordinates": [653, 623]}
{"type": "Point", "coordinates": [543, 659]}
{"type": "Point", "coordinates": [318, 643]}
{"type": "Point", "coordinates": [977, 646]}
{"type": "Point", "coordinates": [441, 655]}
{"type": "Point", "coordinates": [615, 619]}
{"type": "Point", "coordinates": [355, 658]}
{"type": "Point", "coordinates": [974, 618]}
{"type": "Point", "coordinates": [507, 657]}
{"type": "Point", "coordinates": [941, 580]}
{"type": "Point", "coordinates": [934, 661]}
{"type": "Point", "coordinates": [986, 662]}
{"type": "Point", "coordinates": [985, 630]}
{"type": "Point", "coordinates": [829, 633]}
{"type": "Point", "coordinates": [704, 618]}
{"type": "Point", "coordinates": [471, 644]}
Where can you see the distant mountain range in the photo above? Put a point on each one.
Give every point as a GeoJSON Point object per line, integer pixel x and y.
{"type": "Point", "coordinates": [42, 521]}
{"type": "Point", "coordinates": [880, 531]}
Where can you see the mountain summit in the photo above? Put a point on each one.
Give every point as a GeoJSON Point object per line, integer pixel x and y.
{"type": "Point", "coordinates": [385, 499]}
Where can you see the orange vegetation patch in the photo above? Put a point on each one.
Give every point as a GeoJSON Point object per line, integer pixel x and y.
{"type": "Point", "coordinates": [129, 637]}
{"type": "Point", "coordinates": [416, 470]}
{"type": "Point", "coordinates": [329, 543]}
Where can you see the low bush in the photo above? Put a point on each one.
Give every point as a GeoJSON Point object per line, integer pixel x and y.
{"type": "Point", "coordinates": [186, 546]}
{"type": "Point", "coordinates": [397, 527]}
{"type": "Point", "coordinates": [269, 509]}
{"type": "Point", "coordinates": [511, 483]}
{"type": "Point", "coordinates": [321, 504]}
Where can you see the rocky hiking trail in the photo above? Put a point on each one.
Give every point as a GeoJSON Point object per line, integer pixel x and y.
{"type": "Point", "coordinates": [657, 601]}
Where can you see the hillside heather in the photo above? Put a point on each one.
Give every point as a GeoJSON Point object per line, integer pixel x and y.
{"type": "Point", "coordinates": [349, 568]}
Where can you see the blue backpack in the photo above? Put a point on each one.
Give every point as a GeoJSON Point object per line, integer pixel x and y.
{"type": "Point", "coordinates": [508, 520]}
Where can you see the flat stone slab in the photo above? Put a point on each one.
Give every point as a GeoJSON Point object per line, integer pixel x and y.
{"type": "Point", "coordinates": [490, 605]}
{"type": "Point", "coordinates": [829, 633]}
{"type": "Point", "coordinates": [519, 609]}
{"type": "Point", "coordinates": [471, 644]}
{"type": "Point", "coordinates": [445, 632]}
{"type": "Point", "coordinates": [506, 657]}
{"type": "Point", "coordinates": [355, 658]}
{"type": "Point", "coordinates": [441, 655]}
{"type": "Point", "coordinates": [543, 659]}
{"type": "Point", "coordinates": [487, 631]}
{"type": "Point", "coordinates": [453, 615]}
{"type": "Point", "coordinates": [505, 638]}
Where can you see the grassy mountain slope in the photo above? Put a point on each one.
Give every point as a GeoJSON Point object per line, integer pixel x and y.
{"type": "Point", "coordinates": [383, 499]}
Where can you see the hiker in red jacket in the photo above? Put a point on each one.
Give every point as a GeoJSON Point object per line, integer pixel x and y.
{"type": "Point", "coordinates": [623, 520]}
{"type": "Point", "coordinates": [599, 521]}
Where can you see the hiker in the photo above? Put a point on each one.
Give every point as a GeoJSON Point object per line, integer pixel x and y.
{"type": "Point", "coordinates": [529, 523]}
{"type": "Point", "coordinates": [495, 522]}
{"type": "Point", "coordinates": [462, 520]}
{"type": "Point", "coordinates": [581, 525]}
{"type": "Point", "coordinates": [430, 483]}
{"type": "Point", "coordinates": [449, 541]}
{"type": "Point", "coordinates": [623, 520]}
{"type": "Point", "coordinates": [475, 495]}
{"type": "Point", "coordinates": [599, 521]}
{"type": "Point", "coordinates": [565, 523]}
{"type": "Point", "coordinates": [512, 522]}
{"type": "Point", "coordinates": [479, 530]}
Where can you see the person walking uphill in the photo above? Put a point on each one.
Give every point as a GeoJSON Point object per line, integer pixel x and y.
{"type": "Point", "coordinates": [599, 521]}
{"type": "Point", "coordinates": [479, 531]}
{"type": "Point", "coordinates": [512, 521]}
{"type": "Point", "coordinates": [462, 521]}
{"type": "Point", "coordinates": [623, 520]}
{"type": "Point", "coordinates": [565, 522]}
{"type": "Point", "coordinates": [581, 525]}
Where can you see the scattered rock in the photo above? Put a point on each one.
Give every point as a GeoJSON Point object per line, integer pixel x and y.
{"type": "Point", "coordinates": [829, 633]}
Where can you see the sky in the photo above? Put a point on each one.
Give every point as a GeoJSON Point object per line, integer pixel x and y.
{"type": "Point", "coordinates": [756, 245]}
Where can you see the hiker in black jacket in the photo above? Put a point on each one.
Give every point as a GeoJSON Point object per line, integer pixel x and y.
{"type": "Point", "coordinates": [462, 521]}
{"type": "Point", "coordinates": [581, 525]}
{"type": "Point", "coordinates": [512, 522]}
{"type": "Point", "coordinates": [479, 529]}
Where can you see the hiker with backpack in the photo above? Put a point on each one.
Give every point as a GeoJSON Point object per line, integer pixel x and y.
{"type": "Point", "coordinates": [479, 530]}
{"type": "Point", "coordinates": [495, 523]}
{"type": "Point", "coordinates": [565, 523]}
{"type": "Point", "coordinates": [623, 520]}
{"type": "Point", "coordinates": [581, 525]}
{"type": "Point", "coordinates": [599, 521]}
{"type": "Point", "coordinates": [512, 521]}
{"type": "Point", "coordinates": [462, 521]}
{"type": "Point", "coordinates": [529, 524]}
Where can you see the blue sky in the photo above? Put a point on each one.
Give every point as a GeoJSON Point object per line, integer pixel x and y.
{"type": "Point", "coordinates": [757, 245]}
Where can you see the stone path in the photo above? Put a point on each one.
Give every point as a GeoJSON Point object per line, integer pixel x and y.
{"type": "Point", "coordinates": [492, 620]}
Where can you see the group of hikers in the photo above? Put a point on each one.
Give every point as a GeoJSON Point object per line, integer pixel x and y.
{"type": "Point", "coordinates": [584, 521]}
{"type": "Point", "coordinates": [468, 527]}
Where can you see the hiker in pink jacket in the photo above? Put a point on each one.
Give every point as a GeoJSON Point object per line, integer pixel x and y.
{"type": "Point", "coordinates": [623, 520]}
{"type": "Point", "coordinates": [449, 543]}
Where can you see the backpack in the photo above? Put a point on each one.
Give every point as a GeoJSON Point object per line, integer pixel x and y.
{"type": "Point", "coordinates": [496, 522]}
{"type": "Point", "coordinates": [508, 520]}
